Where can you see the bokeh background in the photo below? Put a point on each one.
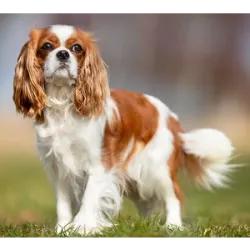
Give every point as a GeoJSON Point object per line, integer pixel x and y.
{"type": "Point", "coordinates": [198, 64]}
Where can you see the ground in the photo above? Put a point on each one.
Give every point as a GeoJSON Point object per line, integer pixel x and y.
{"type": "Point", "coordinates": [27, 206]}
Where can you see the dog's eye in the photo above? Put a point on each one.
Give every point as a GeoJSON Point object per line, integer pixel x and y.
{"type": "Point", "coordinates": [47, 46]}
{"type": "Point", "coordinates": [76, 48]}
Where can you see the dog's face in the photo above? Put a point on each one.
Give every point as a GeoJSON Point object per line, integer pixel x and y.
{"type": "Point", "coordinates": [60, 52]}
{"type": "Point", "coordinates": [60, 55]}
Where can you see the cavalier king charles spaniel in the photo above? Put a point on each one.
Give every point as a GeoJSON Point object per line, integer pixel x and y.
{"type": "Point", "coordinates": [98, 145]}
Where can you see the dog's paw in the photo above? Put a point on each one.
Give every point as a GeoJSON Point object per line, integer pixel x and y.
{"type": "Point", "coordinates": [175, 226]}
{"type": "Point", "coordinates": [174, 223]}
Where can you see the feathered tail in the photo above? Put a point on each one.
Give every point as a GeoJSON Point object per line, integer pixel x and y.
{"type": "Point", "coordinates": [207, 153]}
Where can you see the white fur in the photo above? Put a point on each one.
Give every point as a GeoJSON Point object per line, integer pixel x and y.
{"type": "Point", "coordinates": [214, 150]}
{"type": "Point", "coordinates": [70, 147]}
{"type": "Point", "coordinates": [149, 164]}
{"type": "Point", "coordinates": [149, 169]}
{"type": "Point", "coordinates": [55, 71]}
{"type": "Point", "coordinates": [63, 32]}
{"type": "Point", "coordinates": [71, 150]}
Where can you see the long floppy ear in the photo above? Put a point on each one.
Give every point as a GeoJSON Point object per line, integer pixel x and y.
{"type": "Point", "coordinates": [91, 88]}
{"type": "Point", "coordinates": [29, 95]}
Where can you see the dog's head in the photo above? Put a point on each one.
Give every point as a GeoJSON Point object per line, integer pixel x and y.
{"type": "Point", "coordinates": [60, 55]}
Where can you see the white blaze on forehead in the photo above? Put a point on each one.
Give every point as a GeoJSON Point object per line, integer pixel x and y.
{"type": "Point", "coordinates": [63, 32]}
{"type": "Point", "coordinates": [52, 70]}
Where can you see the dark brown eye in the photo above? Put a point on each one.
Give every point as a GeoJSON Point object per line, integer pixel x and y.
{"type": "Point", "coordinates": [76, 48]}
{"type": "Point", "coordinates": [47, 46]}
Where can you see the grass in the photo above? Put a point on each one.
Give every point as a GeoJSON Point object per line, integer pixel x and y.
{"type": "Point", "coordinates": [27, 207]}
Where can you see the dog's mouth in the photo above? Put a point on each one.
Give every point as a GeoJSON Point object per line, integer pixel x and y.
{"type": "Point", "coordinates": [63, 71]}
{"type": "Point", "coordinates": [62, 67]}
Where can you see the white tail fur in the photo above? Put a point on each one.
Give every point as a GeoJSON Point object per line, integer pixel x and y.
{"type": "Point", "coordinates": [212, 150]}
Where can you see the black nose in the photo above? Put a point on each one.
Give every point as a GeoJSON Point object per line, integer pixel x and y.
{"type": "Point", "coordinates": [62, 55]}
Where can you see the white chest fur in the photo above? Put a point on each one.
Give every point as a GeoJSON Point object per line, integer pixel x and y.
{"type": "Point", "coordinates": [69, 143]}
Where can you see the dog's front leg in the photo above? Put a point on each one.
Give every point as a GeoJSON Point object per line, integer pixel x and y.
{"type": "Point", "coordinates": [63, 205]}
{"type": "Point", "coordinates": [63, 196]}
{"type": "Point", "coordinates": [101, 201]}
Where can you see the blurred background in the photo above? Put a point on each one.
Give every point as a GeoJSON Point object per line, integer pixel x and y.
{"type": "Point", "coordinates": [198, 64]}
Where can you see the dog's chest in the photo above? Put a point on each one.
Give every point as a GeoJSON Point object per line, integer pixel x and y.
{"type": "Point", "coordinates": [70, 143]}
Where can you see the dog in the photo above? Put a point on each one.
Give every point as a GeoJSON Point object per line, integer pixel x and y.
{"type": "Point", "coordinates": [97, 144]}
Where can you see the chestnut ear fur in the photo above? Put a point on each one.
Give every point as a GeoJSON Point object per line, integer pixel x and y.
{"type": "Point", "coordinates": [92, 84]}
{"type": "Point", "coordinates": [29, 96]}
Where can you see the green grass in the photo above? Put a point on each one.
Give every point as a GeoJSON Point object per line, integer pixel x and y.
{"type": "Point", "coordinates": [27, 206]}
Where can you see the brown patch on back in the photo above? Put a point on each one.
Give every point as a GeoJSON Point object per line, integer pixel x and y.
{"type": "Point", "coordinates": [138, 121]}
